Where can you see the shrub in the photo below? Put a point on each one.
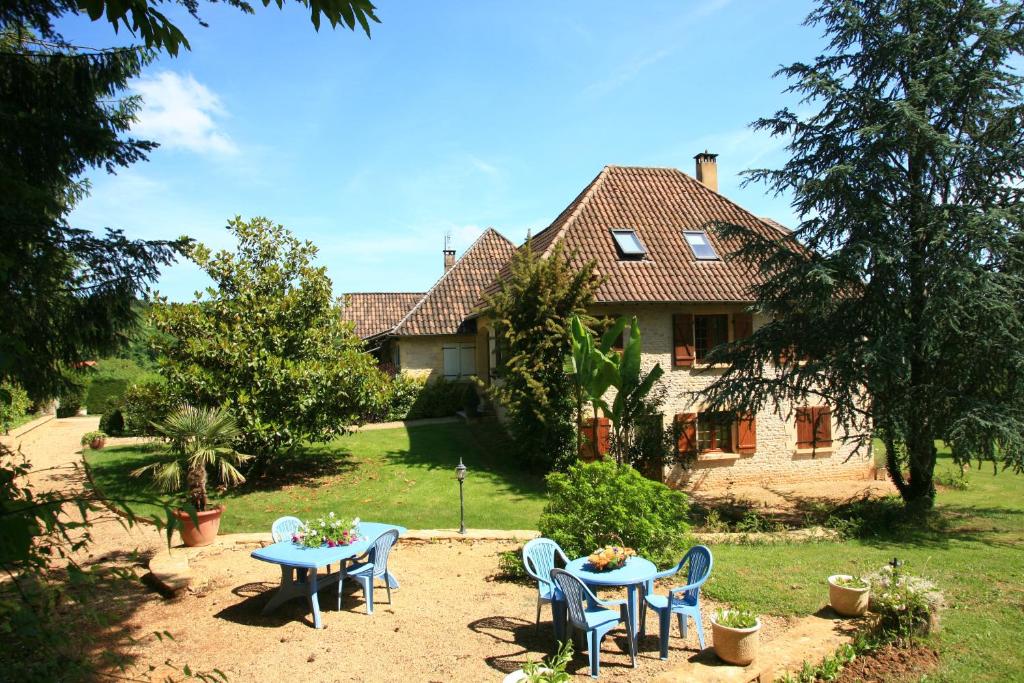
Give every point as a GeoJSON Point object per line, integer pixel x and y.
{"type": "Point", "coordinates": [71, 400]}
{"type": "Point", "coordinates": [103, 393]}
{"type": "Point", "coordinates": [510, 566]}
{"type": "Point", "coordinates": [108, 381]}
{"type": "Point", "coordinates": [14, 404]}
{"type": "Point", "coordinates": [907, 606]}
{"type": "Point", "coordinates": [601, 503]}
{"type": "Point", "coordinates": [112, 421]}
{"type": "Point", "coordinates": [404, 390]}
{"type": "Point", "coordinates": [146, 403]}
{"type": "Point", "coordinates": [438, 398]}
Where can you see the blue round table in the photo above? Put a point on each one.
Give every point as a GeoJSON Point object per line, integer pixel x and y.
{"type": "Point", "coordinates": [636, 572]}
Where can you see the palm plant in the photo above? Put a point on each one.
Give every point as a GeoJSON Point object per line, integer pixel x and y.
{"type": "Point", "coordinates": [199, 438]}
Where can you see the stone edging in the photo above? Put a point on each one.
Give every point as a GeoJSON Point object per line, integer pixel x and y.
{"type": "Point", "coordinates": [29, 426]}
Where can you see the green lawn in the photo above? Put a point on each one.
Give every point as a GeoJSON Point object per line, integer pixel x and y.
{"type": "Point", "coordinates": [974, 550]}
{"type": "Point", "coordinates": [401, 476]}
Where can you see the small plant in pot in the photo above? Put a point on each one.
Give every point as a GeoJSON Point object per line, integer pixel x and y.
{"type": "Point", "coordinates": [94, 440]}
{"type": "Point", "coordinates": [552, 670]}
{"type": "Point", "coordinates": [848, 595]}
{"type": "Point", "coordinates": [735, 636]}
{"type": "Point", "coordinates": [198, 439]}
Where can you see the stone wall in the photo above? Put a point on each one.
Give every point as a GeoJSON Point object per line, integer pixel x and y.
{"type": "Point", "coordinates": [423, 356]}
{"type": "Point", "coordinates": [776, 458]}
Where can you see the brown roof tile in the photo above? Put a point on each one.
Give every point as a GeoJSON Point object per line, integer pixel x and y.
{"type": "Point", "coordinates": [450, 301]}
{"type": "Point", "coordinates": [659, 204]}
{"type": "Point", "coordinates": [377, 312]}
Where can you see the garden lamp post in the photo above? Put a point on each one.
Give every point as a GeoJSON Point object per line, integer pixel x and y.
{"type": "Point", "coordinates": [460, 474]}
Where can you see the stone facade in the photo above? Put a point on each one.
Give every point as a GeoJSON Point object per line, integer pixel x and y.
{"type": "Point", "coordinates": [423, 356]}
{"type": "Point", "coordinates": [776, 458]}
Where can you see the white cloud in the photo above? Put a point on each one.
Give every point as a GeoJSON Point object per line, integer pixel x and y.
{"type": "Point", "coordinates": [179, 111]}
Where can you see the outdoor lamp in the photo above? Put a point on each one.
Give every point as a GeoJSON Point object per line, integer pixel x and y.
{"type": "Point", "coordinates": [460, 474]}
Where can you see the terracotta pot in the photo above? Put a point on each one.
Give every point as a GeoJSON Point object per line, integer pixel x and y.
{"type": "Point", "coordinates": [209, 524]}
{"type": "Point", "coordinates": [737, 646]}
{"type": "Point", "coordinates": [848, 602]}
{"type": "Point", "coordinates": [97, 444]}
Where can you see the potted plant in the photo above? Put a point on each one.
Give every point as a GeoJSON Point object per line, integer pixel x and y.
{"type": "Point", "coordinates": [94, 440]}
{"type": "Point", "coordinates": [848, 595]}
{"type": "Point", "coordinates": [198, 438]}
{"type": "Point", "coordinates": [552, 670]}
{"type": "Point", "coordinates": [735, 636]}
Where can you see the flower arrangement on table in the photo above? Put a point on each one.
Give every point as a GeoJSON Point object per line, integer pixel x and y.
{"type": "Point", "coordinates": [331, 531]}
{"type": "Point", "coordinates": [610, 557]}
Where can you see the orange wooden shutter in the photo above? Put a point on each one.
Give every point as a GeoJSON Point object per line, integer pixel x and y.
{"type": "Point", "coordinates": [682, 340]}
{"type": "Point", "coordinates": [804, 427]}
{"type": "Point", "coordinates": [822, 427]}
{"type": "Point", "coordinates": [743, 325]}
{"type": "Point", "coordinates": [686, 427]}
{"type": "Point", "coordinates": [746, 435]}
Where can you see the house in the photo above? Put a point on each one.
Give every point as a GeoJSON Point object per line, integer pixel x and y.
{"type": "Point", "coordinates": [432, 334]}
{"type": "Point", "coordinates": [646, 229]}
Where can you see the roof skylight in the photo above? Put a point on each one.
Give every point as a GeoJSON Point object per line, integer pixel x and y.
{"type": "Point", "coordinates": [701, 245]}
{"type": "Point", "coordinates": [629, 244]}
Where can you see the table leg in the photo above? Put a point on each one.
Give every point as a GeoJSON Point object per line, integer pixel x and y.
{"type": "Point", "coordinates": [285, 592]}
{"type": "Point", "coordinates": [314, 601]}
{"type": "Point", "coordinates": [633, 607]}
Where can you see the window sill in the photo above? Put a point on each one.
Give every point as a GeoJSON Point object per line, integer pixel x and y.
{"type": "Point", "coordinates": [717, 456]}
{"type": "Point", "coordinates": [709, 366]}
{"type": "Point", "coordinates": [825, 451]}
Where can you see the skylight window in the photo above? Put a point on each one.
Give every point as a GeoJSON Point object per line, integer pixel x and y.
{"type": "Point", "coordinates": [701, 245]}
{"type": "Point", "coordinates": [629, 244]}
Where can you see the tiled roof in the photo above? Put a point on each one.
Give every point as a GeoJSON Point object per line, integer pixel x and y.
{"type": "Point", "coordinates": [777, 225]}
{"type": "Point", "coordinates": [377, 312]}
{"type": "Point", "coordinates": [659, 204]}
{"type": "Point", "coordinates": [449, 302]}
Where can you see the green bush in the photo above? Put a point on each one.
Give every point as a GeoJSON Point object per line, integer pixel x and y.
{"type": "Point", "coordinates": [14, 404]}
{"type": "Point", "coordinates": [510, 566]}
{"type": "Point", "coordinates": [107, 383]}
{"type": "Point", "coordinates": [71, 400]}
{"type": "Point", "coordinates": [145, 403]}
{"type": "Point", "coordinates": [112, 421]}
{"type": "Point", "coordinates": [600, 503]}
{"type": "Point", "coordinates": [438, 398]}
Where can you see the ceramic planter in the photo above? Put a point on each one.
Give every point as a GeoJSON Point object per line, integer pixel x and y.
{"type": "Point", "coordinates": [97, 443]}
{"type": "Point", "coordinates": [848, 602]}
{"type": "Point", "coordinates": [737, 646]}
{"type": "Point", "coordinates": [209, 524]}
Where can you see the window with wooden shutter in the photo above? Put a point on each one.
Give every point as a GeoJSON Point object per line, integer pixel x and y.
{"type": "Point", "coordinates": [804, 428]}
{"type": "Point", "coordinates": [746, 435]}
{"type": "Point", "coordinates": [743, 325]}
{"type": "Point", "coordinates": [814, 427]}
{"type": "Point", "coordinates": [682, 340]}
{"type": "Point", "coordinates": [822, 427]}
{"type": "Point", "coordinates": [686, 429]}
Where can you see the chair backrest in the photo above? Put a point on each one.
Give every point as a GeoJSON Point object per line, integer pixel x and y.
{"type": "Point", "coordinates": [699, 557]}
{"type": "Point", "coordinates": [539, 558]}
{"type": "Point", "coordinates": [380, 550]}
{"type": "Point", "coordinates": [575, 592]}
{"type": "Point", "coordinates": [283, 528]}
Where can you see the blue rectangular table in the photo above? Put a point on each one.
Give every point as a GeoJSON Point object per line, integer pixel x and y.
{"type": "Point", "coordinates": [299, 565]}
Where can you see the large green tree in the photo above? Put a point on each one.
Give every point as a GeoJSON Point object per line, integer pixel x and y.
{"type": "Point", "coordinates": [530, 315]}
{"type": "Point", "coordinates": [897, 299]}
{"type": "Point", "coordinates": [267, 341]}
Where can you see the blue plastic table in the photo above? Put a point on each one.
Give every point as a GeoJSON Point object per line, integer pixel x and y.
{"type": "Point", "coordinates": [636, 572]}
{"type": "Point", "coordinates": [299, 565]}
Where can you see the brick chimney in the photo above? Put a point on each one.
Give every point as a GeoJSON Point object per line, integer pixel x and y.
{"type": "Point", "coordinates": [707, 169]}
{"type": "Point", "coordinates": [449, 259]}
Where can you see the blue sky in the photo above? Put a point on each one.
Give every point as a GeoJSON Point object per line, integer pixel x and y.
{"type": "Point", "coordinates": [454, 117]}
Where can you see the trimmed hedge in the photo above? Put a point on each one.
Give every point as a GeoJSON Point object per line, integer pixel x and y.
{"type": "Point", "coordinates": [104, 393]}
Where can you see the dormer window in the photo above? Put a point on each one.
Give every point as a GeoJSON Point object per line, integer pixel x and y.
{"type": "Point", "coordinates": [629, 244]}
{"type": "Point", "coordinates": [701, 245]}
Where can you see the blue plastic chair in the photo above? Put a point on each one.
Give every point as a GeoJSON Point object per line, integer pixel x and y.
{"type": "Point", "coordinates": [591, 615]}
{"type": "Point", "coordinates": [539, 559]}
{"type": "Point", "coordinates": [374, 566]}
{"type": "Point", "coordinates": [683, 601]}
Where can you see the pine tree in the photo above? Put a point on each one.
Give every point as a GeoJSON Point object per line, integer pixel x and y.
{"type": "Point", "coordinates": [897, 299]}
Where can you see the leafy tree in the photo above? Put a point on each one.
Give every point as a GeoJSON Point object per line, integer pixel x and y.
{"type": "Point", "coordinates": [897, 300]}
{"type": "Point", "coordinates": [267, 343]}
{"type": "Point", "coordinates": [530, 317]}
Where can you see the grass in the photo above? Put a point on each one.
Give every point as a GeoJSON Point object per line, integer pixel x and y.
{"type": "Point", "coordinates": [973, 547]}
{"type": "Point", "coordinates": [402, 476]}
{"type": "Point", "coordinates": [20, 420]}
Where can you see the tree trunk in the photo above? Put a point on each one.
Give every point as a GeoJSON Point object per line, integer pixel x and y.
{"type": "Point", "coordinates": [197, 487]}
